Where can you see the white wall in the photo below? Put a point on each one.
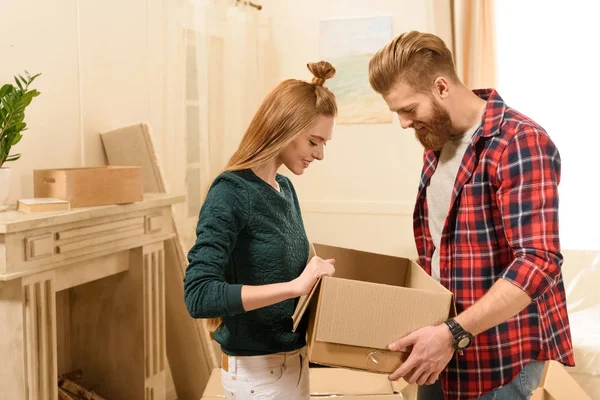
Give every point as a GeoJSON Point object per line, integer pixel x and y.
{"type": "Point", "coordinates": [362, 195]}
{"type": "Point", "coordinates": [103, 65]}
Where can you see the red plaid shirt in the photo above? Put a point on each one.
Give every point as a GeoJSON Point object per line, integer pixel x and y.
{"type": "Point", "coordinates": [502, 223]}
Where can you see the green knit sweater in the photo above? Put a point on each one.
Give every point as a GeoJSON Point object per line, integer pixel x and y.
{"type": "Point", "coordinates": [248, 233]}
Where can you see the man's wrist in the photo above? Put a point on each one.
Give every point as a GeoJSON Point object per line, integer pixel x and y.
{"type": "Point", "coordinates": [446, 334]}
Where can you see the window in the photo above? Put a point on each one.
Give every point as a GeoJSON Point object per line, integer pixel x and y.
{"type": "Point", "coordinates": [547, 70]}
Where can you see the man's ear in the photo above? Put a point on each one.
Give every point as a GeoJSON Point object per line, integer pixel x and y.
{"type": "Point", "coordinates": [440, 87]}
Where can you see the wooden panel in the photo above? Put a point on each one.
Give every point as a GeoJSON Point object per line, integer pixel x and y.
{"type": "Point", "coordinates": [63, 323]}
{"type": "Point", "coordinates": [154, 320]}
{"type": "Point", "coordinates": [40, 336]}
{"type": "Point", "coordinates": [154, 223]}
{"type": "Point", "coordinates": [97, 228]}
{"type": "Point", "coordinates": [83, 239]}
{"type": "Point", "coordinates": [39, 247]}
{"type": "Point", "coordinates": [78, 274]}
{"type": "Point", "coordinates": [88, 245]}
{"type": "Point", "coordinates": [12, 367]}
{"type": "Point", "coordinates": [155, 387]}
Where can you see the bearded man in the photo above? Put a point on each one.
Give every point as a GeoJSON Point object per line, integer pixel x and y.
{"type": "Point", "coordinates": [485, 226]}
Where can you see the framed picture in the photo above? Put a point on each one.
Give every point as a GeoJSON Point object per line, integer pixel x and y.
{"type": "Point", "coordinates": [349, 44]}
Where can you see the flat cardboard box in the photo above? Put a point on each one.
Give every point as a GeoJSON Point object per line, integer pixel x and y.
{"type": "Point", "coordinates": [557, 384]}
{"type": "Point", "coordinates": [91, 186]}
{"type": "Point", "coordinates": [335, 383]}
{"type": "Point", "coordinates": [371, 301]}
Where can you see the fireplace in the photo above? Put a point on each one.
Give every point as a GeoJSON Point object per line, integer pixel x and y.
{"type": "Point", "coordinates": [85, 290]}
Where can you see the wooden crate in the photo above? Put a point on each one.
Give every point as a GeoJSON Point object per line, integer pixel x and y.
{"type": "Point", "coordinates": [91, 186]}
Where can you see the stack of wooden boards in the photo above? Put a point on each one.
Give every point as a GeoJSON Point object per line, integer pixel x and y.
{"type": "Point", "coordinates": [189, 349]}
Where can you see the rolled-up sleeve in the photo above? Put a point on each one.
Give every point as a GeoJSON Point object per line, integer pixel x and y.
{"type": "Point", "coordinates": [528, 175]}
{"type": "Point", "coordinates": [224, 214]}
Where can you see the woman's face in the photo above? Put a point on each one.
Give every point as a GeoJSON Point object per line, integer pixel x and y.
{"type": "Point", "coordinates": [308, 146]}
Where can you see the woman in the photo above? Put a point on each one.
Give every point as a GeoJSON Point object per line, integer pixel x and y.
{"type": "Point", "coordinates": [249, 263]}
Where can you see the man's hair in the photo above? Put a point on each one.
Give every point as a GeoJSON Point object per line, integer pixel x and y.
{"type": "Point", "coordinates": [414, 58]}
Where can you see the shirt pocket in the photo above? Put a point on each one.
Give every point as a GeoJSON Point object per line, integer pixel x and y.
{"type": "Point", "coordinates": [475, 223]}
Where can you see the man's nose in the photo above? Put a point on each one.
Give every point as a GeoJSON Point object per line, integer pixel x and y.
{"type": "Point", "coordinates": [405, 123]}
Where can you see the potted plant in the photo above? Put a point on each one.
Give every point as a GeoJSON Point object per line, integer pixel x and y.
{"type": "Point", "coordinates": [13, 101]}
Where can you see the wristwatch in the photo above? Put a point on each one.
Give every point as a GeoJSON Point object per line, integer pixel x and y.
{"type": "Point", "coordinates": [461, 339]}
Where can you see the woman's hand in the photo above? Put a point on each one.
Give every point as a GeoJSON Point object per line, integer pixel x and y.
{"type": "Point", "coordinates": [315, 269]}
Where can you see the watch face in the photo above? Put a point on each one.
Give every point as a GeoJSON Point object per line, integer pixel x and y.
{"type": "Point", "coordinates": [464, 342]}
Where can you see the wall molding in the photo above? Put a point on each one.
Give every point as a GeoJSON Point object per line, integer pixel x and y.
{"type": "Point", "coordinates": [357, 207]}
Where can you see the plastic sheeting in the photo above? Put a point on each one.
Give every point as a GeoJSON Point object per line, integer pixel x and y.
{"type": "Point", "coordinates": [581, 273]}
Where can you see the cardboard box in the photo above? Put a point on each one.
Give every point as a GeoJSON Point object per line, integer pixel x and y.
{"type": "Point", "coordinates": [336, 383]}
{"type": "Point", "coordinates": [557, 384]}
{"type": "Point", "coordinates": [372, 300]}
{"type": "Point", "coordinates": [94, 186]}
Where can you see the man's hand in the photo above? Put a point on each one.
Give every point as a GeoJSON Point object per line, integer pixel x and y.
{"type": "Point", "coordinates": [431, 352]}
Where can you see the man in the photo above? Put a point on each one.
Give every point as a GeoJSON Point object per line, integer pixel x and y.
{"type": "Point", "coordinates": [485, 226]}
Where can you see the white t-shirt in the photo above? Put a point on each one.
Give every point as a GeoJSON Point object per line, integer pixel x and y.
{"type": "Point", "coordinates": [439, 191]}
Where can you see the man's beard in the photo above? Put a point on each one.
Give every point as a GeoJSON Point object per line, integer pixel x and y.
{"type": "Point", "coordinates": [437, 131]}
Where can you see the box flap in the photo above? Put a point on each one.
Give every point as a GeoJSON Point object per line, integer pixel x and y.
{"type": "Point", "coordinates": [374, 315]}
{"type": "Point", "coordinates": [341, 381]}
{"type": "Point", "coordinates": [302, 306]}
{"type": "Point", "coordinates": [304, 301]}
{"type": "Point", "coordinates": [417, 278]}
{"type": "Point", "coordinates": [400, 385]}
{"type": "Point", "coordinates": [364, 266]}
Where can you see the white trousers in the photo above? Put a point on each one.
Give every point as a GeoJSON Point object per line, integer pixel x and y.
{"type": "Point", "coordinates": [275, 376]}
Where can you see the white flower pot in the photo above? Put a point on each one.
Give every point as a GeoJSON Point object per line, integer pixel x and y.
{"type": "Point", "coordinates": [5, 181]}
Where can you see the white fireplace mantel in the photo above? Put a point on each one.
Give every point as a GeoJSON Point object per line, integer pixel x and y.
{"type": "Point", "coordinates": [84, 289]}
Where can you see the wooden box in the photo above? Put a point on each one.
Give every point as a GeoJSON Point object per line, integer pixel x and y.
{"type": "Point", "coordinates": [92, 186]}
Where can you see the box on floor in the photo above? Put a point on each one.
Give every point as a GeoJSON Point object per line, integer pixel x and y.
{"type": "Point", "coordinates": [558, 384]}
{"type": "Point", "coordinates": [372, 300]}
{"type": "Point", "coordinates": [338, 383]}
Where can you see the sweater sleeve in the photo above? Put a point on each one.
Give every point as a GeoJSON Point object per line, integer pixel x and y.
{"type": "Point", "coordinates": [223, 215]}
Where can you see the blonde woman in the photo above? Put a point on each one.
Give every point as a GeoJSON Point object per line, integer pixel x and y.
{"type": "Point", "coordinates": [249, 263]}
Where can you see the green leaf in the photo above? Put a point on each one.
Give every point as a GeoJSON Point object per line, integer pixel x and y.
{"type": "Point", "coordinates": [25, 101]}
{"type": "Point", "coordinates": [18, 83]}
{"type": "Point", "coordinates": [5, 90]}
{"type": "Point", "coordinates": [13, 157]}
{"type": "Point", "coordinates": [16, 139]}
